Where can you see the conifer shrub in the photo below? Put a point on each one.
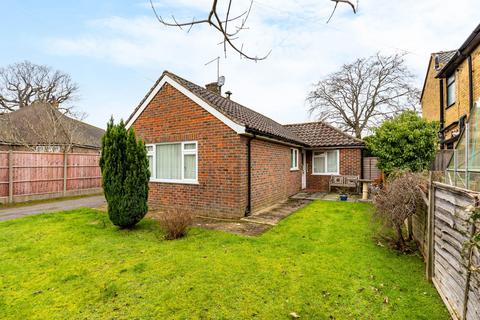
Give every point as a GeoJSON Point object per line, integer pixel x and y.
{"type": "Point", "coordinates": [125, 174]}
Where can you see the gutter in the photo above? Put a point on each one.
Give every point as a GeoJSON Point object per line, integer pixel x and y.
{"type": "Point", "coordinates": [462, 53]}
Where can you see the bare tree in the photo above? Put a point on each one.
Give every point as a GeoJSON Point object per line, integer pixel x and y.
{"type": "Point", "coordinates": [364, 93]}
{"type": "Point", "coordinates": [224, 23]}
{"type": "Point", "coordinates": [23, 83]}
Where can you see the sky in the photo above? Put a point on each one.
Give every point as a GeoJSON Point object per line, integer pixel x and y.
{"type": "Point", "coordinates": [115, 49]}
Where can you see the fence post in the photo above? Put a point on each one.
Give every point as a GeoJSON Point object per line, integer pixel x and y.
{"type": "Point", "coordinates": [65, 168]}
{"type": "Point", "coordinates": [10, 176]}
{"type": "Point", "coordinates": [430, 227]}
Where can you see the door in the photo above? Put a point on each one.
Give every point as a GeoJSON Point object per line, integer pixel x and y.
{"type": "Point", "coordinates": [304, 169]}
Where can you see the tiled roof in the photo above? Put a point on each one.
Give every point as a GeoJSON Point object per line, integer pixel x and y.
{"type": "Point", "coordinates": [240, 114]}
{"type": "Point", "coordinates": [445, 56]}
{"type": "Point", "coordinates": [42, 124]}
{"type": "Point", "coordinates": [255, 122]}
{"type": "Point", "coordinates": [320, 134]}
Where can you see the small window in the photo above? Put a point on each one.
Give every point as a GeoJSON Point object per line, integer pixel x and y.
{"type": "Point", "coordinates": [325, 162]}
{"type": "Point", "coordinates": [293, 159]}
{"type": "Point", "coordinates": [173, 162]}
{"type": "Point", "coordinates": [48, 149]}
{"type": "Point", "coordinates": [451, 90]}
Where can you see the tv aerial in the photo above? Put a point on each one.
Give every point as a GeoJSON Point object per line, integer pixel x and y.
{"type": "Point", "coordinates": [220, 79]}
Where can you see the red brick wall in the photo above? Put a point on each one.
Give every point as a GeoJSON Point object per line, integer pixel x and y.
{"type": "Point", "coordinates": [222, 187]}
{"type": "Point", "coordinates": [350, 164]}
{"type": "Point", "coordinates": [272, 180]}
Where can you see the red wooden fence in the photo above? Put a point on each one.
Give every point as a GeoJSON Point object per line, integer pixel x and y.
{"type": "Point", "coordinates": [36, 175]}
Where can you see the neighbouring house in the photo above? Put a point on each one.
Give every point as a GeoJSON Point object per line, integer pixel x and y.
{"type": "Point", "coordinates": [212, 155]}
{"type": "Point", "coordinates": [42, 127]}
{"type": "Point", "coordinates": [451, 87]}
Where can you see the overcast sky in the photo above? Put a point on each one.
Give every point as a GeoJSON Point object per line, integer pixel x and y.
{"type": "Point", "coordinates": [115, 50]}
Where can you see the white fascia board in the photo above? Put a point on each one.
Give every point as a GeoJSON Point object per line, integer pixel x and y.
{"type": "Point", "coordinates": [166, 79]}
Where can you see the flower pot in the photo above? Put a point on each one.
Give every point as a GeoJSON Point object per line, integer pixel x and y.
{"type": "Point", "coordinates": [343, 197]}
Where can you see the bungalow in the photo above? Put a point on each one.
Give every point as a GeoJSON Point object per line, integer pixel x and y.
{"type": "Point", "coordinates": [41, 127]}
{"type": "Point", "coordinates": [212, 155]}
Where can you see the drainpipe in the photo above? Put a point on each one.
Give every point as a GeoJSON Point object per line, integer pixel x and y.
{"type": "Point", "coordinates": [442, 117]}
{"type": "Point", "coordinates": [470, 82]}
{"type": "Point", "coordinates": [248, 209]}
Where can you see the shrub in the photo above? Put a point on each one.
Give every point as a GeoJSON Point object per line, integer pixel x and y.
{"type": "Point", "coordinates": [406, 142]}
{"type": "Point", "coordinates": [175, 223]}
{"type": "Point", "coordinates": [125, 174]}
{"type": "Point", "coordinates": [399, 200]}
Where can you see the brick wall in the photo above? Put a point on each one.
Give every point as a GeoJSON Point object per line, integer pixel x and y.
{"type": "Point", "coordinates": [430, 100]}
{"type": "Point", "coordinates": [272, 180]}
{"type": "Point", "coordinates": [222, 187]}
{"type": "Point", "coordinates": [431, 94]}
{"type": "Point", "coordinates": [350, 164]}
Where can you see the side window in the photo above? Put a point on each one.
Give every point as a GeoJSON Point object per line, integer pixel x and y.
{"type": "Point", "coordinates": [293, 159]}
{"type": "Point", "coordinates": [451, 90]}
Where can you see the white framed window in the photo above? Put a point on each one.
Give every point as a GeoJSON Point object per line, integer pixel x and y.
{"type": "Point", "coordinates": [293, 159]}
{"type": "Point", "coordinates": [325, 162]}
{"type": "Point", "coordinates": [48, 149]}
{"type": "Point", "coordinates": [175, 162]}
{"type": "Point", "coordinates": [451, 90]}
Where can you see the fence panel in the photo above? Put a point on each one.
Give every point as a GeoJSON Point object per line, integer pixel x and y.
{"type": "Point", "coordinates": [39, 175]}
{"type": "Point", "coordinates": [3, 174]}
{"type": "Point", "coordinates": [83, 171]}
{"type": "Point", "coordinates": [370, 169]}
{"type": "Point", "coordinates": [453, 257]}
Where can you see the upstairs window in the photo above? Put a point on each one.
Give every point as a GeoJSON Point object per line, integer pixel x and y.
{"type": "Point", "coordinates": [173, 162]}
{"type": "Point", "coordinates": [293, 159]}
{"type": "Point", "coordinates": [450, 90]}
{"type": "Point", "coordinates": [325, 162]}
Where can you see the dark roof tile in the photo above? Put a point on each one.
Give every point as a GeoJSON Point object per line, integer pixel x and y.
{"type": "Point", "coordinates": [42, 124]}
{"type": "Point", "coordinates": [320, 134]}
{"type": "Point", "coordinates": [315, 134]}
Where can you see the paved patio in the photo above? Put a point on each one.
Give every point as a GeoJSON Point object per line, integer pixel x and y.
{"type": "Point", "coordinates": [325, 196]}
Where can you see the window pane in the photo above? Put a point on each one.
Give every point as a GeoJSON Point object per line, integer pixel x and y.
{"type": "Point", "coordinates": [319, 164]}
{"type": "Point", "coordinates": [189, 146]}
{"type": "Point", "coordinates": [150, 165]}
{"type": "Point", "coordinates": [149, 149]}
{"type": "Point", "coordinates": [332, 161]}
{"type": "Point", "coordinates": [169, 161]}
{"type": "Point", "coordinates": [190, 164]}
{"type": "Point", "coordinates": [293, 158]}
{"type": "Point", "coordinates": [451, 94]}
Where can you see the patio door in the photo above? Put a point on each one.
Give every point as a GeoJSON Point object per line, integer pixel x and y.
{"type": "Point", "coordinates": [304, 169]}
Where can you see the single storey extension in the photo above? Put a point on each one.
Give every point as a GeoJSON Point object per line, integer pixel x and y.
{"type": "Point", "coordinates": [214, 157]}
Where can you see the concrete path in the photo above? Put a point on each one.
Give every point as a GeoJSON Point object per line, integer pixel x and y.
{"type": "Point", "coordinates": [61, 205]}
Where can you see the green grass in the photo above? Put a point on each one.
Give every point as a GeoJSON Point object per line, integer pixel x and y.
{"type": "Point", "coordinates": [320, 262]}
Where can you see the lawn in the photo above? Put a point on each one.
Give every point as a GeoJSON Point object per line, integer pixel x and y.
{"type": "Point", "coordinates": [321, 263]}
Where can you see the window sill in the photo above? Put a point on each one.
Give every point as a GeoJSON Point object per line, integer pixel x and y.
{"type": "Point", "coordinates": [174, 181]}
{"type": "Point", "coordinates": [449, 106]}
{"type": "Point", "coordinates": [326, 174]}
{"type": "Point", "coordinates": [294, 169]}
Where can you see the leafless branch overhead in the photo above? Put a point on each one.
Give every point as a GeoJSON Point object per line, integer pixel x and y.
{"type": "Point", "coordinates": [229, 27]}
{"type": "Point", "coordinates": [354, 7]}
{"type": "Point", "coordinates": [222, 22]}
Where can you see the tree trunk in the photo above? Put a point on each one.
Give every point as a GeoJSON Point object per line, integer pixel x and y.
{"type": "Point", "coordinates": [400, 240]}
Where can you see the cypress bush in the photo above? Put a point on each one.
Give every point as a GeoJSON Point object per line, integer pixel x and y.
{"type": "Point", "coordinates": [125, 174]}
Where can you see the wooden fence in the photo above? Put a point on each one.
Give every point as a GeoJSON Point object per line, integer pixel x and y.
{"type": "Point", "coordinates": [370, 169]}
{"type": "Point", "coordinates": [37, 175]}
{"type": "Point", "coordinates": [446, 234]}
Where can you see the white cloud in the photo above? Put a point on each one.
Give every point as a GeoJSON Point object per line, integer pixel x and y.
{"type": "Point", "coordinates": [304, 48]}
